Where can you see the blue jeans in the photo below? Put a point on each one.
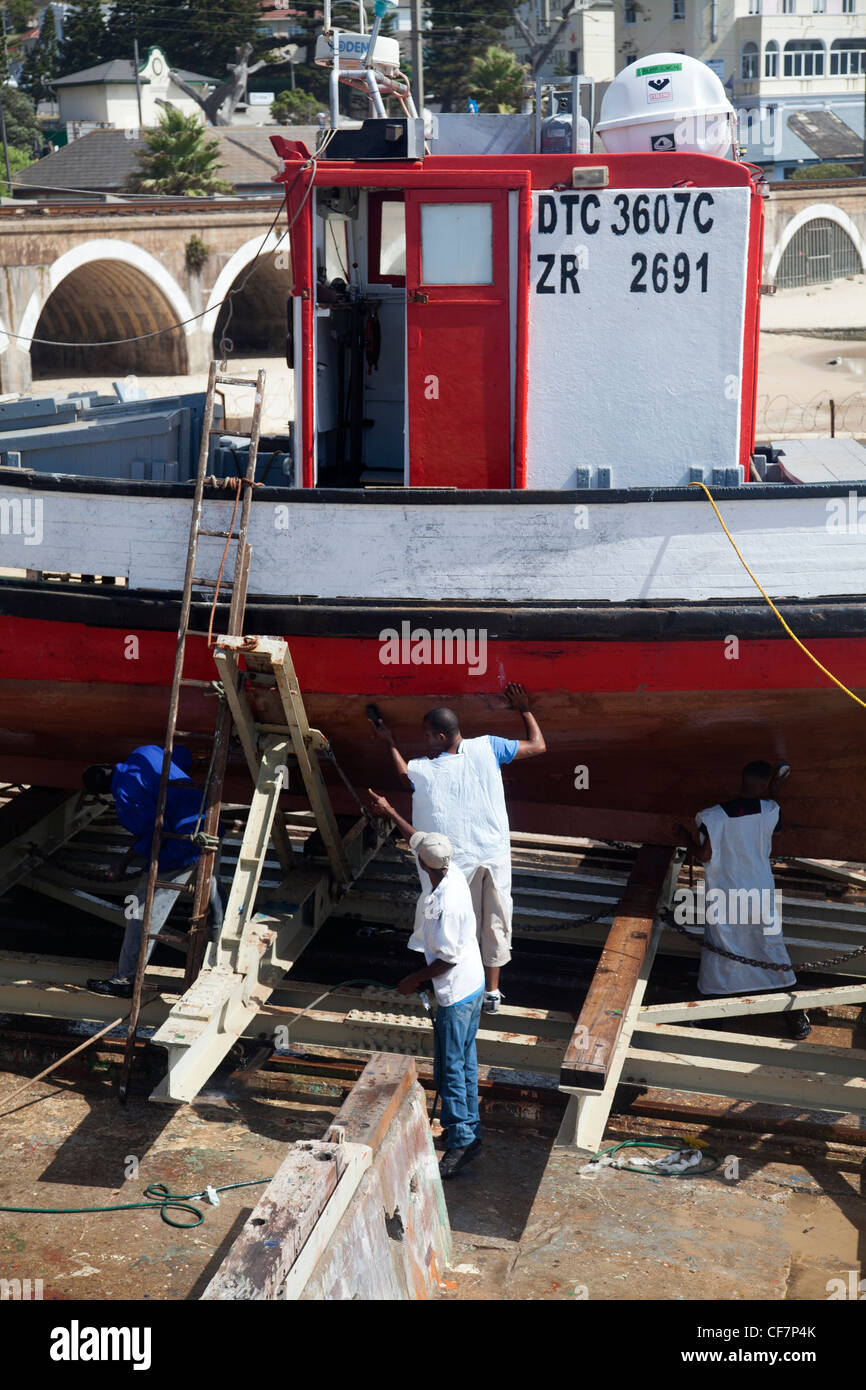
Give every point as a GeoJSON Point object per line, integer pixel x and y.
{"type": "Point", "coordinates": [455, 1069]}
{"type": "Point", "coordinates": [164, 900]}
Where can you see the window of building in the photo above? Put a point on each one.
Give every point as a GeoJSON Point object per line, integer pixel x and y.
{"type": "Point", "coordinates": [573, 61]}
{"type": "Point", "coordinates": [848, 6]}
{"type": "Point", "coordinates": [789, 6]}
{"type": "Point", "coordinates": [679, 9]}
{"type": "Point", "coordinates": [771, 59]}
{"type": "Point", "coordinates": [848, 57]}
{"type": "Point", "coordinates": [630, 14]}
{"type": "Point", "coordinates": [819, 6]}
{"type": "Point", "coordinates": [749, 62]}
{"type": "Point", "coordinates": [804, 58]}
{"type": "Point", "coordinates": [754, 6]}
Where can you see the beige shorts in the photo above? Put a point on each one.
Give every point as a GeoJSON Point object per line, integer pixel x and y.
{"type": "Point", "coordinates": [494, 923]}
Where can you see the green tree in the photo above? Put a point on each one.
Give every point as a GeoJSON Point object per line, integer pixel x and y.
{"type": "Point", "coordinates": [85, 38]}
{"type": "Point", "coordinates": [296, 108]}
{"type": "Point", "coordinates": [19, 14]}
{"type": "Point", "coordinates": [462, 32]}
{"type": "Point", "coordinates": [22, 127]}
{"type": "Point", "coordinates": [129, 20]}
{"type": "Point", "coordinates": [497, 81]}
{"type": "Point", "coordinates": [829, 170]}
{"type": "Point", "coordinates": [41, 64]}
{"type": "Point", "coordinates": [179, 159]}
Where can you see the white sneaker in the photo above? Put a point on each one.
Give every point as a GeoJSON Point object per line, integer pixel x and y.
{"type": "Point", "coordinates": [491, 1001]}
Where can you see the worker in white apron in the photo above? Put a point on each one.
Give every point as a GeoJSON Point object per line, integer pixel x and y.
{"type": "Point", "coordinates": [741, 909]}
{"type": "Point", "coordinates": [457, 791]}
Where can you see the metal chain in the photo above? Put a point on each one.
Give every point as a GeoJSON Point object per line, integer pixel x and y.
{"type": "Point", "coordinates": [576, 921]}
{"type": "Point", "coordinates": [762, 964]}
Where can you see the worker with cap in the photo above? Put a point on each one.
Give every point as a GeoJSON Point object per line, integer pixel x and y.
{"type": "Point", "coordinates": [449, 941]}
{"type": "Point", "coordinates": [134, 784]}
{"type": "Point", "coordinates": [742, 912]}
{"type": "Point", "coordinates": [457, 790]}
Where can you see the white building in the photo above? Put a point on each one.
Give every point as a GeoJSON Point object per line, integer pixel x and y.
{"type": "Point", "coordinates": [793, 69]}
{"type": "Point", "coordinates": [585, 45]}
{"type": "Point", "coordinates": [108, 96]}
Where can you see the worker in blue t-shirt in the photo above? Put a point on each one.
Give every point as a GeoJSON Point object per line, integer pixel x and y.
{"type": "Point", "coordinates": [134, 784]}
{"type": "Point", "coordinates": [457, 791]}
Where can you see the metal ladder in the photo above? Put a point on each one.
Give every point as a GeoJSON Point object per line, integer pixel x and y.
{"type": "Point", "coordinates": [199, 888]}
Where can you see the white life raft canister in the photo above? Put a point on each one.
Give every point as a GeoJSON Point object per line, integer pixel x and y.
{"type": "Point", "coordinates": [667, 103]}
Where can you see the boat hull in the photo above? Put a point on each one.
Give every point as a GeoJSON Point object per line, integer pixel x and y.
{"type": "Point", "coordinates": [649, 711]}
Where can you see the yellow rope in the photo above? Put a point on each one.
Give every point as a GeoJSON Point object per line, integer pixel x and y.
{"type": "Point", "coordinates": [758, 584]}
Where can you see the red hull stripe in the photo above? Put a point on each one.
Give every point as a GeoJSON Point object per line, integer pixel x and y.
{"type": "Point", "coordinates": [49, 652]}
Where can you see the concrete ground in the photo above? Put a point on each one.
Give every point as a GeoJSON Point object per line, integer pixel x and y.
{"type": "Point", "coordinates": [526, 1224]}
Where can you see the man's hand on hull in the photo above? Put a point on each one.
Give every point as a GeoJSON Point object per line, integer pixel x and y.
{"type": "Point", "coordinates": [517, 697]}
{"type": "Point", "coordinates": [380, 728]}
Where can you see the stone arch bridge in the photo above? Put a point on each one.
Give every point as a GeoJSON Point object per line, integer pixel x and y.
{"type": "Point", "coordinates": [84, 273]}
{"type": "Point", "coordinates": [81, 274]}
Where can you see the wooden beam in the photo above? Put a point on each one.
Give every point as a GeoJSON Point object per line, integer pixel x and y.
{"type": "Point", "coordinates": [839, 869]}
{"type": "Point", "coordinates": [590, 1053]}
{"type": "Point", "coordinates": [281, 1224]}
{"type": "Point", "coordinates": [368, 1110]}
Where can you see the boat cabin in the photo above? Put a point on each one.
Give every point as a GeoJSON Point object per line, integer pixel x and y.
{"type": "Point", "coordinates": [497, 321]}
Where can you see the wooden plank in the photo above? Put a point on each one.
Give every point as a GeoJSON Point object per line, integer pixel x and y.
{"type": "Point", "coordinates": [374, 1100]}
{"type": "Point", "coordinates": [282, 1222]}
{"type": "Point", "coordinates": [586, 1116]}
{"type": "Point", "coordinates": [739, 1005]}
{"type": "Point", "coordinates": [837, 869]}
{"type": "Point", "coordinates": [590, 1053]}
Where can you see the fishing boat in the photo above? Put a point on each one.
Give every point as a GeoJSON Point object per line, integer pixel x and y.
{"type": "Point", "coordinates": [524, 375]}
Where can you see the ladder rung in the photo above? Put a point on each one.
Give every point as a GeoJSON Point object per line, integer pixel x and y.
{"type": "Point", "coordinates": [176, 887]}
{"type": "Point", "coordinates": [189, 733]}
{"type": "Point", "coordinates": [170, 938]}
{"type": "Point", "coordinates": [212, 583]}
{"type": "Point", "coordinates": [235, 381]}
{"type": "Point", "coordinates": [190, 680]}
{"type": "Point", "coordinates": [226, 535]}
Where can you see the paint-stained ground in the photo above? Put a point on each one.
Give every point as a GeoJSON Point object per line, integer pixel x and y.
{"type": "Point", "coordinates": [527, 1225]}
{"type": "Point", "coordinates": [780, 1222]}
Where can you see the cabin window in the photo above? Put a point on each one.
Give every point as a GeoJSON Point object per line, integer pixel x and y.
{"type": "Point", "coordinates": [386, 262]}
{"type": "Point", "coordinates": [456, 244]}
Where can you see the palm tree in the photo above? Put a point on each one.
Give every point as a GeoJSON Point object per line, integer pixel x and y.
{"type": "Point", "coordinates": [497, 81]}
{"type": "Point", "coordinates": [179, 159]}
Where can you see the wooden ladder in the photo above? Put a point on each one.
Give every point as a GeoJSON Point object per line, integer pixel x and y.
{"type": "Point", "coordinates": [208, 830]}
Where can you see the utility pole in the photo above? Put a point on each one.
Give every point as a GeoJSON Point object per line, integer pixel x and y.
{"type": "Point", "coordinates": [2, 111]}
{"type": "Point", "coordinates": [137, 82]}
{"type": "Point", "coordinates": [417, 52]}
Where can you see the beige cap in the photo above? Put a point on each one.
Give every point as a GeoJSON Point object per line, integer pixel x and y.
{"type": "Point", "coordinates": [434, 849]}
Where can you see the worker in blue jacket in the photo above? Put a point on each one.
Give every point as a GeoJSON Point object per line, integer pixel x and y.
{"type": "Point", "coordinates": [134, 784]}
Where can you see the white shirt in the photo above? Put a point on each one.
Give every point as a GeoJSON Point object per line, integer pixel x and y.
{"type": "Point", "coordinates": [741, 909]}
{"type": "Point", "coordinates": [449, 933]}
{"type": "Point", "coordinates": [461, 795]}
